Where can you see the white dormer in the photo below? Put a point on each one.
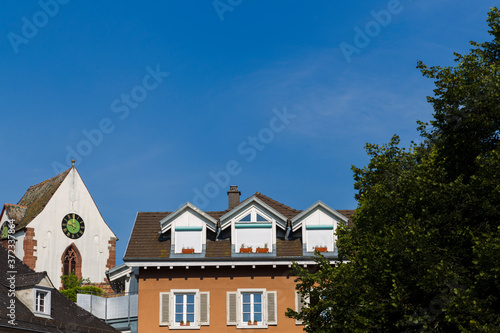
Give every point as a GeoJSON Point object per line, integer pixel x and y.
{"type": "Point", "coordinates": [37, 294]}
{"type": "Point", "coordinates": [319, 223]}
{"type": "Point", "coordinates": [253, 226]}
{"type": "Point", "coordinates": [188, 226]}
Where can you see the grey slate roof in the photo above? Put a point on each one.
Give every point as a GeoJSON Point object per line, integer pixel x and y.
{"type": "Point", "coordinates": [66, 316]}
{"type": "Point", "coordinates": [29, 279]}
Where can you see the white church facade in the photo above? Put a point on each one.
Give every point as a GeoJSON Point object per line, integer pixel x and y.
{"type": "Point", "coordinates": [59, 229]}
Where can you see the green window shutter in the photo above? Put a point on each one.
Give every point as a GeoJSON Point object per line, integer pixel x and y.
{"type": "Point", "coordinates": [272, 308]}
{"type": "Point", "coordinates": [164, 309]}
{"type": "Point", "coordinates": [204, 308]}
{"type": "Point", "coordinates": [232, 308]}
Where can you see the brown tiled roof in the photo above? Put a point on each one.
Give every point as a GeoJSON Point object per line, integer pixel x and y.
{"type": "Point", "coordinates": [349, 213]}
{"type": "Point", "coordinates": [284, 210]}
{"type": "Point", "coordinates": [218, 249]}
{"type": "Point", "coordinates": [288, 248]}
{"type": "Point", "coordinates": [37, 197]}
{"type": "Point", "coordinates": [217, 215]}
{"type": "Point", "coordinates": [144, 241]}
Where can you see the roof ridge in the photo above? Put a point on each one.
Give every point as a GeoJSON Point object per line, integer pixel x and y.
{"type": "Point", "coordinates": [218, 211]}
{"type": "Point", "coordinates": [155, 212]}
{"type": "Point", "coordinates": [47, 180]}
{"type": "Point", "coordinates": [279, 203]}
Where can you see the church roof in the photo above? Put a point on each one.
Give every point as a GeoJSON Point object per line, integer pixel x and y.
{"type": "Point", "coordinates": [15, 212]}
{"type": "Point", "coordinates": [34, 200]}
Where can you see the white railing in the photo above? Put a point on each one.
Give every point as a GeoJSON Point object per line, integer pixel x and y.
{"type": "Point", "coordinates": [110, 308]}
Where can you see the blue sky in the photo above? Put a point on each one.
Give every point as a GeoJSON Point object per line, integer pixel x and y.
{"type": "Point", "coordinates": [158, 99]}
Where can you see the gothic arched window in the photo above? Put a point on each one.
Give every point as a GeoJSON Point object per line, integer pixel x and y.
{"type": "Point", "coordinates": [71, 261]}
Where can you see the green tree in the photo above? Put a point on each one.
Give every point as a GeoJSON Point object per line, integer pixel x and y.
{"type": "Point", "coordinates": [72, 285]}
{"type": "Point", "coordinates": [424, 255]}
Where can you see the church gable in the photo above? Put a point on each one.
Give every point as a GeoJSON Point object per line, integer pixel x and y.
{"type": "Point", "coordinates": [71, 200]}
{"type": "Point", "coordinates": [61, 215]}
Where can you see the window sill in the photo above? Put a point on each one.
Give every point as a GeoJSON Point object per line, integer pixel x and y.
{"type": "Point", "coordinates": [179, 327]}
{"type": "Point", "coordinates": [42, 315]}
{"type": "Point", "coordinates": [251, 326]}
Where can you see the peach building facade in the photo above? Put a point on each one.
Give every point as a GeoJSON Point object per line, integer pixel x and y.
{"type": "Point", "coordinates": [218, 283]}
{"type": "Point", "coordinates": [228, 270]}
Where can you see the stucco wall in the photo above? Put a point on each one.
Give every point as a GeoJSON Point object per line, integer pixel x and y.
{"type": "Point", "coordinates": [72, 197]}
{"type": "Point", "coordinates": [217, 281]}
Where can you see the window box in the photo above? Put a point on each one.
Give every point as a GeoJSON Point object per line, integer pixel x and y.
{"type": "Point", "coordinates": [321, 249]}
{"type": "Point", "coordinates": [262, 250]}
{"type": "Point", "coordinates": [187, 251]}
{"type": "Point", "coordinates": [185, 324]}
{"type": "Point", "coordinates": [246, 250]}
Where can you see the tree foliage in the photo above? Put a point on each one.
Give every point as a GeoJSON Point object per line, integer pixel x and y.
{"type": "Point", "coordinates": [72, 285]}
{"type": "Point", "coordinates": [424, 255]}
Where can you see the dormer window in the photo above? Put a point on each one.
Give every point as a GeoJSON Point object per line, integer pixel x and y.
{"type": "Point", "coordinates": [254, 232]}
{"type": "Point", "coordinates": [319, 238]}
{"type": "Point", "coordinates": [253, 226]}
{"type": "Point", "coordinates": [247, 218]}
{"type": "Point", "coordinates": [42, 302]}
{"type": "Point", "coordinates": [188, 226]}
{"type": "Point", "coordinates": [188, 239]}
{"type": "Point", "coordinates": [318, 223]}
{"type": "Point", "coordinates": [254, 216]}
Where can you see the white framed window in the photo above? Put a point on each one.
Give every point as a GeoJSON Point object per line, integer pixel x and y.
{"type": "Point", "coordinates": [42, 302]}
{"type": "Point", "coordinates": [187, 238]}
{"type": "Point", "coordinates": [184, 309]}
{"type": "Point", "coordinates": [251, 308]}
{"type": "Point", "coordinates": [320, 237]}
{"type": "Point", "coordinates": [253, 215]}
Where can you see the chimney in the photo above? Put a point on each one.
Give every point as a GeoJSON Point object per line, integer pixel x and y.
{"type": "Point", "coordinates": [233, 196]}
